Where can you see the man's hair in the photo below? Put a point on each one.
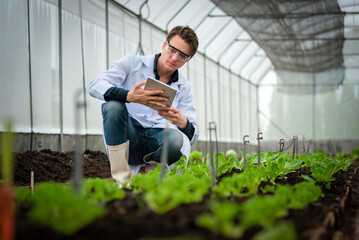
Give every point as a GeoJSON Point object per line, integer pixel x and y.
{"type": "Point", "coordinates": [187, 34]}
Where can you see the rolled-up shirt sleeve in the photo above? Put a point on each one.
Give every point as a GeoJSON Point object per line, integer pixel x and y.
{"type": "Point", "coordinates": [188, 130]}
{"type": "Point", "coordinates": [115, 93]}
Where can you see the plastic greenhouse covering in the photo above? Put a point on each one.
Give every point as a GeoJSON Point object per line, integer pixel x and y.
{"type": "Point", "coordinates": [283, 68]}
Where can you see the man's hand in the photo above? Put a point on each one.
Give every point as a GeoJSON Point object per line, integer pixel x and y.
{"type": "Point", "coordinates": [149, 98]}
{"type": "Point", "coordinates": [174, 116]}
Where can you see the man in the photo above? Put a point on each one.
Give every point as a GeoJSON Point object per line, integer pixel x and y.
{"type": "Point", "coordinates": [133, 131]}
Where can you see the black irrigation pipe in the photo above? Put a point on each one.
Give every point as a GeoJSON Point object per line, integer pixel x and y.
{"type": "Point", "coordinates": [281, 142]}
{"type": "Point", "coordinates": [288, 146]}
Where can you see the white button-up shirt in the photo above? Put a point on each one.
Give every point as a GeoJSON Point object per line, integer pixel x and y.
{"type": "Point", "coordinates": [132, 69]}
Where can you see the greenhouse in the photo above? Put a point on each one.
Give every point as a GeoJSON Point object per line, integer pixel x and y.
{"type": "Point", "coordinates": [266, 113]}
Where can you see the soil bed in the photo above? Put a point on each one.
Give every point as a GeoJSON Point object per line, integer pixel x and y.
{"type": "Point", "coordinates": [56, 166]}
{"type": "Point", "coordinates": [130, 218]}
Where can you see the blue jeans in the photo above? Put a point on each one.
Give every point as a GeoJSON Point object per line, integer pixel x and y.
{"type": "Point", "coordinates": [120, 127]}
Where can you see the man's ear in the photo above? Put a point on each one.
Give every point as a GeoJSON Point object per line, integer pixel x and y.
{"type": "Point", "coordinates": [164, 45]}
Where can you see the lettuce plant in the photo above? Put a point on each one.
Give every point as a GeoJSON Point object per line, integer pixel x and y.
{"type": "Point", "coordinates": [282, 230]}
{"type": "Point", "coordinates": [355, 153]}
{"type": "Point", "coordinates": [243, 184]}
{"type": "Point", "coordinates": [222, 219]}
{"type": "Point", "coordinates": [102, 190]}
{"type": "Point", "coordinates": [175, 189]}
{"type": "Point", "coordinates": [196, 155]}
{"type": "Point", "coordinates": [323, 171]}
{"type": "Point", "coordinates": [57, 206]}
{"type": "Point", "coordinates": [227, 166]}
{"type": "Point", "coordinates": [232, 219]}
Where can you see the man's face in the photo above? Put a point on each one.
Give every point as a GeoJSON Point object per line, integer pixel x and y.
{"type": "Point", "coordinates": [175, 53]}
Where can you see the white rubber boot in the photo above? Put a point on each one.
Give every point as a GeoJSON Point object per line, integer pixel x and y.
{"type": "Point", "coordinates": [120, 170]}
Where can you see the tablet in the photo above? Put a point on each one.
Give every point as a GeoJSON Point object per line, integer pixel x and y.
{"type": "Point", "coordinates": [169, 92]}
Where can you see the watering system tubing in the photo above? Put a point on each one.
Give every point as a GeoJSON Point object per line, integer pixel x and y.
{"type": "Point", "coordinates": [309, 143]}
{"type": "Point", "coordinates": [281, 145]}
{"type": "Point", "coordinates": [294, 146]}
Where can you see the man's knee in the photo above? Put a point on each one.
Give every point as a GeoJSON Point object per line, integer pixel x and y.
{"type": "Point", "coordinates": [114, 109]}
{"type": "Point", "coordinates": [175, 140]}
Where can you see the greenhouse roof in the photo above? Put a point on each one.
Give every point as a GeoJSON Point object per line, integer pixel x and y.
{"type": "Point", "coordinates": [313, 39]}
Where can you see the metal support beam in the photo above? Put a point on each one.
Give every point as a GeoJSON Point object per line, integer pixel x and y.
{"type": "Point", "coordinates": [30, 77]}
{"type": "Point", "coordinates": [60, 77]}
{"type": "Point", "coordinates": [107, 36]}
{"type": "Point", "coordinates": [139, 48]}
{"type": "Point", "coordinates": [84, 87]}
{"type": "Point", "coordinates": [174, 16]}
{"type": "Point", "coordinates": [216, 35]}
{"type": "Point", "coordinates": [200, 22]}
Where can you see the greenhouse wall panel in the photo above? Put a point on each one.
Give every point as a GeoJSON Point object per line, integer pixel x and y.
{"type": "Point", "coordinates": [14, 91]}
{"type": "Point", "coordinates": [45, 66]}
{"type": "Point", "coordinates": [94, 62]}
{"type": "Point", "coordinates": [73, 85]}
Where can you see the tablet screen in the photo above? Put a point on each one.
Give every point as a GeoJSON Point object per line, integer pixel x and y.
{"type": "Point", "coordinates": [169, 92]}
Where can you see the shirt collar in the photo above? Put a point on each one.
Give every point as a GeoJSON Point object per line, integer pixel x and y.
{"type": "Point", "coordinates": [174, 77]}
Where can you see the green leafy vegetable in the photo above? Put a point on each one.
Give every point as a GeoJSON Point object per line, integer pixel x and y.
{"type": "Point", "coordinates": [282, 230]}
{"type": "Point", "coordinates": [196, 155]}
{"type": "Point", "coordinates": [102, 190]}
{"type": "Point", "coordinates": [58, 207]}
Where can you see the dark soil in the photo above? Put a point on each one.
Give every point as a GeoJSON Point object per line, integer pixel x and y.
{"type": "Point", "coordinates": [130, 218]}
{"type": "Point", "coordinates": [56, 166]}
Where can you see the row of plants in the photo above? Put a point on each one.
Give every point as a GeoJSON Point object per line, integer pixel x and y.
{"type": "Point", "coordinates": [263, 202]}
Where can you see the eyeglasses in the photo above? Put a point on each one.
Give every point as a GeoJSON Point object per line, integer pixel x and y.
{"type": "Point", "coordinates": [180, 55]}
